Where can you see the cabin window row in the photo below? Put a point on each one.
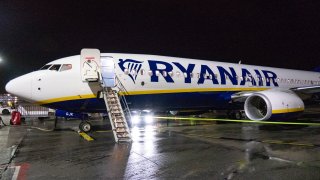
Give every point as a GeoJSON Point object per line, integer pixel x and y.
{"type": "Point", "coordinates": [206, 76]}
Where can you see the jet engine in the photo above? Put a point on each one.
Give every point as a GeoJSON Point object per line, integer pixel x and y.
{"type": "Point", "coordinates": [273, 104]}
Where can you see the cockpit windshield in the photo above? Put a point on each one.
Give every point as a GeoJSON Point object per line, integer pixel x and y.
{"type": "Point", "coordinates": [55, 67]}
{"type": "Point", "coordinates": [66, 67]}
{"type": "Point", "coordinates": [46, 67]}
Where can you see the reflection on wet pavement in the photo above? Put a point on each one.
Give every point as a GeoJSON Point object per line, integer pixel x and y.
{"type": "Point", "coordinates": [214, 151]}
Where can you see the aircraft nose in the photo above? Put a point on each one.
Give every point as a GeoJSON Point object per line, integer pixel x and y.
{"type": "Point", "coordinates": [20, 86]}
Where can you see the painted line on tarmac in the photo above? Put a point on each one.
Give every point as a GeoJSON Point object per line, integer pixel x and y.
{"type": "Point", "coordinates": [16, 173]}
{"type": "Point", "coordinates": [262, 141]}
{"type": "Point", "coordinates": [41, 129]}
{"type": "Point", "coordinates": [235, 120]}
{"type": "Point", "coordinates": [103, 131]}
{"type": "Point", "coordinates": [288, 143]}
{"type": "Point", "coordinates": [86, 136]}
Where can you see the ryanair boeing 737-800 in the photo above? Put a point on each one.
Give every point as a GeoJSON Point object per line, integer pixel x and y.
{"type": "Point", "coordinates": [161, 83]}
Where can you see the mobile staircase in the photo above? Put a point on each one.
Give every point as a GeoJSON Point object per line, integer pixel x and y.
{"type": "Point", "coordinates": [111, 90]}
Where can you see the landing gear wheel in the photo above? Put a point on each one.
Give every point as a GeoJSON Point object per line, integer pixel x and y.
{"type": "Point", "coordinates": [5, 112]}
{"type": "Point", "coordinates": [238, 115]}
{"type": "Point", "coordinates": [85, 126]}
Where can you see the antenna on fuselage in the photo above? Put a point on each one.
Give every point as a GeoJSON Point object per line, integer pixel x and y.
{"type": "Point", "coordinates": [239, 62]}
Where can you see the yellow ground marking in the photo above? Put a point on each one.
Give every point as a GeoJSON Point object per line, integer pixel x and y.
{"type": "Point", "coordinates": [235, 120]}
{"type": "Point", "coordinates": [86, 136]}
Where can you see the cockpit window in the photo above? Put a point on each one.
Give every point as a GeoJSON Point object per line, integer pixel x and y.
{"type": "Point", "coordinates": [55, 67]}
{"type": "Point", "coordinates": [66, 67]}
{"type": "Point", "coordinates": [45, 67]}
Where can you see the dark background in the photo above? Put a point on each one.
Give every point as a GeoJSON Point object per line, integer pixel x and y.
{"type": "Point", "coordinates": [269, 33]}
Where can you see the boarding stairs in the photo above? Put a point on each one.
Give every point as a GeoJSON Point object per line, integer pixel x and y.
{"type": "Point", "coordinates": [97, 68]}
{"type": "Point", "coordinates": [111, 88]}
{"type": "Point", "coordinates": [116, 115]}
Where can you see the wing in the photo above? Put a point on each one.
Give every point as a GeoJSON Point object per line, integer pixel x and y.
{"type": "Point", "coordinates": [308, 94]}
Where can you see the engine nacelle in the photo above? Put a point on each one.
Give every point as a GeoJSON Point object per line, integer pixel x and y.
{"type": "Point", "coordinates": [273, 104]}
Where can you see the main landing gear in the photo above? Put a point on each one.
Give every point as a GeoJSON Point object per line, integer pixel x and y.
{"type": "Point", "coordinates": [235, 115]}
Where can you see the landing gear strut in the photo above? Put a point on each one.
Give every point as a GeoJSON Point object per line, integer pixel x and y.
{"type": "Point", "coordinates": [234, 115]}
{"type": "Point", "coordinates": [85, 126]}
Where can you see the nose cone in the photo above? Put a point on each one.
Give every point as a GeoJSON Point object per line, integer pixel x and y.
{"type": "Point", "coordinates": [20, 86]}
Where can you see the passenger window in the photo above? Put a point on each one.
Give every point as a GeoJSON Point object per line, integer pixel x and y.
{"type": "Point", "coordinates": [185, 75]}
{"type": "Point", "coordinates": [164, 73]}
{"type": "Point", "coordinates": [150, 73]}
{"type": "Point", "coordinates": [170, 73]}
{"type": "Point", "coordinates": [178, 74]}
{"type": "Point", "coordinates": [55, 67]}
{"type": "Point", "coordinates": [157, 73]}
{"type": "Point", "coordinates": [133, 72]}
{"type": "Point", "coordinates": [126, 71]}
{"type": "Point", "coordinates": [66, 67]}
{"type": "Point", "coordinates": [191, 75]}
{"type": "Point", "coordinates": [142, 72]}
{"type": "Point", "coordinates": [45, 67]}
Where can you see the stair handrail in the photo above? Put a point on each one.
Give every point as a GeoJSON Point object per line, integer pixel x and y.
{"type": "Point", "coordinates": [124, 92]}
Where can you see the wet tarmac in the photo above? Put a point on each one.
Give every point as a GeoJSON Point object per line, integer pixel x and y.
{"type": "Point", "coordinates": [180, 151]}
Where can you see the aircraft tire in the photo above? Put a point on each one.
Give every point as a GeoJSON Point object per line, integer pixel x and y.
{"type": "Point", "coordinates": [5, 112]}
{"type": "Point", "coordinates": [85, 126]}
{"type": "Point", "coordinates": [238, 115]}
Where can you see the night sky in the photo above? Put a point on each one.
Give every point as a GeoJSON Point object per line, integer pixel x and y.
{"type": "Point", "coordinates": [270, 33]}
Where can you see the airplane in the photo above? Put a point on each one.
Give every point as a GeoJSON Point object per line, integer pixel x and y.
{"type": "Point", "coordinates": [168, 84]}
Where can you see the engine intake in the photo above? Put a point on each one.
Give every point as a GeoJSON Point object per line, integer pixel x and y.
{"type": "Point", "coordinates": [268, 104]}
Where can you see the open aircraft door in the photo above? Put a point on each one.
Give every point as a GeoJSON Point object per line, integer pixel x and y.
{"type": "Point", "coordinates": [108, 71]}
{"type": "Point", "coordinates": [90, 65]}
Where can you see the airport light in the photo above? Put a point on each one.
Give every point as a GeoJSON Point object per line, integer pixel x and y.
{"type": "Point", "coordinates": [135, 119]}
{"type": "Point", "coordinates": [1, 59]}
{"type": "Point", "coordinates": [148, 119]}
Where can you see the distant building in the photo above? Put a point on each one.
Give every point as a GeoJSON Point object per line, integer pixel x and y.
{"type": "Point", "coordinates": [8, 100]}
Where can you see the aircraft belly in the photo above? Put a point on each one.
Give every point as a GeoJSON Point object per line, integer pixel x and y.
{"type": "Point", "coordinates": [155, 102]}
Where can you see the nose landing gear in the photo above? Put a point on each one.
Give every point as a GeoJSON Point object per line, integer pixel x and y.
{"type": "Point", "coordinates": [85, 126]}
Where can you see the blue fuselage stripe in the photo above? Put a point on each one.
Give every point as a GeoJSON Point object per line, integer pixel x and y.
{"type": "Point", "coordinates": [157, 102]}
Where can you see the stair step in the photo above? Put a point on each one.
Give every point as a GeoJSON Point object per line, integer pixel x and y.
{"type": "Point", "coordinates": [123, 135]}
{"type": "Point", "coordinates": [120, 130]}
{"type": "Point", "coordinates": [117, 116]}
{"type": "Point", "coordinates": [118, 121]}
{"type": "Point", "coordinates": [120, 125]}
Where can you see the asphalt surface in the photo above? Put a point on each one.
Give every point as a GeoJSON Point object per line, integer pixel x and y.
{"type": "Point", "coordinates": [181, 151]}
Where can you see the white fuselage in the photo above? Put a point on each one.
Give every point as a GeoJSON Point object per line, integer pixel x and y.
{"type": "Point", "coordinates": [155, 75]}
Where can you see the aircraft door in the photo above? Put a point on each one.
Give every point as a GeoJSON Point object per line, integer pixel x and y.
{"type": "Point", "coordinates": [108, 71]}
